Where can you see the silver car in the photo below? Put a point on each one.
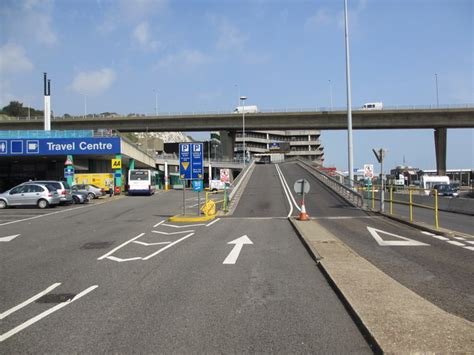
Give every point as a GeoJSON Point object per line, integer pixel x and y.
{"type": "Point", "coordinates": [92, 191]}
{"type": "Point", "coordinates": [63, 188]}
{"type": "Point", "coordinates": [30, 195]}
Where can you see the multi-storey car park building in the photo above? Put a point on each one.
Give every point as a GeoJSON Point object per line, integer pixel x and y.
{"type": "Point", "coordinates": [305, 144]}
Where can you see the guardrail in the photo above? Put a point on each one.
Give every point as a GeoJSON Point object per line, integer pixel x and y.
{"type": "Point", "coordinates": [350, 195]}
{"type": "Point", "coordinates": [273, 110]}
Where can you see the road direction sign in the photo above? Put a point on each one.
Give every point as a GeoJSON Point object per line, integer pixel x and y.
{"type": "Point", "coordinates": [301, 186]}
{"type": "Point", "coordinates": [191, 161]}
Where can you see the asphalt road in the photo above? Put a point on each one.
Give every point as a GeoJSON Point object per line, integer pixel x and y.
{"type": "Point", "coordinates": [439, 271]}
{"type": "Point", "coordinates": [139, 284]}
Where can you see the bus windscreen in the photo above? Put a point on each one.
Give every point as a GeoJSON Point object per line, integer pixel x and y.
{"type": "Point", "coordinates": [139, 175]}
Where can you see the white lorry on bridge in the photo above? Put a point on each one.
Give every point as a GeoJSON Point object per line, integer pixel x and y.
{"type": "Point", "coordinates": [373, 106]}
{"type": "Point", "coordinates": [246, 109]}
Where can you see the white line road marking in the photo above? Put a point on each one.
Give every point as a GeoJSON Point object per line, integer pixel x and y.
{"type": "Point", "coordinates": [9, 238]}
{"type": "Point", "coordinates": [214, 221]}
{"type": "Point", "coordinates": [28, 301]}
{"type": "Point", "coordinates": [185, 226]}
{"type": "Point", "coordinates": [289, 190]}
{"type": "Point", "coordinates": [344, 217]}
{"type": "Point", "coordinates": [171, 233]}
{"type": "Point", "coordinates": [168, 246]}
{"type": "Point", "coordinates": [191, 206]}
{"type": "Point", "coordinates": [114, 258]}
{"type": "Point", "coordinates": [459, 238]}
{"type": "Point", "coordinates": [234, 254]}
{"type": "Point", "coordinates": [470, 248]}
{"type": "Point", "coordinates": [469, 241]}
{"type": "Point", "coordinates": [405, 242]}
{"type": "Point", "coordinates": [428, 233]}
{"type": "Point", "coordinates": [46, 313]}
{"type": "Point", "coordinates": [120, 246]}
{"type": "Point", "coordinates": [439, 237]}
{"type": "Point", "coordinates": [51, 213]}
{"type": "Point", "coordinates": [284, 189]}
{"type": "Point", "coordinates": [455, 243]}
{"type": "Point", "coordinates": [148, 244]}
{"type": "Point", "coordinates": [156, 225]}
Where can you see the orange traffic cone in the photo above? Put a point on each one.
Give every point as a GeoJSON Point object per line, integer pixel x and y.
{"type": "Point", "coordinates": [303, 215]}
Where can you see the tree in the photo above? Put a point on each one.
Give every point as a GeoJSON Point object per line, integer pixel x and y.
{"type": "Point", "coordinates": [14, 108]}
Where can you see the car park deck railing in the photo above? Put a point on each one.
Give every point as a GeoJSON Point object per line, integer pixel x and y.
{"type": "Point", "coordinates": [46, 134]}
{"type": "Point", "coordinates": [350, 195]}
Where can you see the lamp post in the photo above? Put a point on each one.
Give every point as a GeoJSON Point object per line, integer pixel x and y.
{"type": "Point", "coordinates": [349, 100]}
{"type": "Point", "coordinates": [437, 97]}
{"type": "Point", "coordinates": [330, 91]}
{"type": "Point", "coordinates": [242, 99]}
{"type": "Point", "coordinates": [156, 102]}
{"type": "Point", "coordinates": [85, 105]}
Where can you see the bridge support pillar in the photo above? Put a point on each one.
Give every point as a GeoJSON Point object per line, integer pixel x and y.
{"type": "Point", "coordinates": [440, 137]}
{"type": "Point", "coordinates": [227, 144]}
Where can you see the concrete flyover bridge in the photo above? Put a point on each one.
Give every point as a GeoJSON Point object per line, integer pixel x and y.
{"type": "Point", "coordinates": [439, 119]}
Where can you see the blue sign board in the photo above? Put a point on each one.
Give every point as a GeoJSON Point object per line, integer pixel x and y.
{"type": "Point", "coordinates": [190, 161]}
{"type": "Point", "coordinates": [59, 146]}
{"type": "Point", "coordinates": [198, 185]}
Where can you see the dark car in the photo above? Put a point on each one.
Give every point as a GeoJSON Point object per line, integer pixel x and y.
{"type": "Point", "coordinates": [445, 190]}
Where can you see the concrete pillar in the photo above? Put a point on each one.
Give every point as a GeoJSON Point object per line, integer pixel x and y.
{"type": "Point", "coordinates": [227, 144]}
{"type": "Point", "coordinates": [440, 137]}
{"type": "Point", "coordinates": [118, 174]}
{"type": "Point", "coordinates": [167, 183]}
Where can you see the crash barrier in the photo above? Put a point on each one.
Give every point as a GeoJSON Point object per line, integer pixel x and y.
{"type": "Point", "coordinates": [413, 198]}
{"type": "Point", "coordinates": [350, 195]}
{"type": "Point", "coordinates": [215, 202]}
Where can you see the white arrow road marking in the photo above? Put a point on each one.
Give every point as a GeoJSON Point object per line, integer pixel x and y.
{"type": "Point", "coordinates": [404, 242]}
{"type": "Point", "coordinates": [171, 233]}
{"type": "Point", "coordinates": [46, 313]}
{"type": "Point", "coordinates": [28, 301]}
{"type": "Point", "coordinates": [9, 238]}
{"type": "Point", "coordinates": [234, 254]}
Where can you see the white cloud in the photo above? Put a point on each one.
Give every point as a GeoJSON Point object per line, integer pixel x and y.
{"type": "Point", "coordinates": [13, 59]}
{"type": "Point", "coordinates": [322, 17]}
{"type": "Point", "coordinates": [141, 35]}
{"type": "Point", "coordinates": [94, 82]}
{"type": "Point", "coordinates": [230, 37]}
{"type": "Point", "coordinates": [185, 59]}
{"type": "Point", "coordinates": [29, 19]}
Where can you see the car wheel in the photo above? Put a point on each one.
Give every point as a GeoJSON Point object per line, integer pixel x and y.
{"type": "Point", "coordinates": [43, 203]}
{"type": "Point", "coordinates": [75, 199]}
{"type": "Point", "coordinates": [90, 196]}
{"type": "Point", "coordinates": [3, 204]}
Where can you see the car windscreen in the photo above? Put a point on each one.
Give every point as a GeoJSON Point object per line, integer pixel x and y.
{"type": "Point", "coordinates": [139, 175]}
{"type": "Point", "coordinates": [66, 185]}
{"type": "Point", "coordinates": [50, 187]}
{"type": "Point", "coordinates": [95, 186]}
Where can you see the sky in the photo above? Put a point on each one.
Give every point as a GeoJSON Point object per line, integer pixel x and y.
{"type": "Point", "coordinates": [129, 56]}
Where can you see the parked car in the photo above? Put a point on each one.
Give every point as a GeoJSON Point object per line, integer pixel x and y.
{"type": "Point", "coordinates": [92, 191]}
{"type": "Point", "coordinates": [30, 195]}
{"type": "Point", "coordinates": [79, 197]}
{"type": "Point", "coordinates": [445, 190]}
{"type": "Point", "coordinates": [63, 188]}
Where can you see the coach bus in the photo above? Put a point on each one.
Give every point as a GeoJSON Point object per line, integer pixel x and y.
{"type": "Point", "coordinates": [142, 181]}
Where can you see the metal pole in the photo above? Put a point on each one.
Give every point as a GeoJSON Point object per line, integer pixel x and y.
{"type": "Point", "coordinates": [156, 103]}
{"type": "Point", "coordinates": [349, 100]}
{"type": "Point", "coordinates": [85, 105]}
{"type": "Point", "coordinates": [184, 200]}
{"type": "Point", "coordinates": [437, 97]}
{"type": "Point", "coordinates": [382, 192]}
{"type": "Point", "coordinates": [330, 92]}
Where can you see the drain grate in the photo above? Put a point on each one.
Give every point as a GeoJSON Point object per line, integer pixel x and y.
{"type": "Point", "coordinates": [97, 245]}
{"type": "Point", "coordinates": [56, 298]}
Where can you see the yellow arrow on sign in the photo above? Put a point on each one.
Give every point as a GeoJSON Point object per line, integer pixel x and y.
{"type": "Point", "coordinates": [185, 165]}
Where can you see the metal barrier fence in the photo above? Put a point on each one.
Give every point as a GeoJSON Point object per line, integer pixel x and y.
{"type": "Point", "coordinates": [347, 193]}
{"type": "Point", "coordinates": [215, 202]}
{"type": "Point", "coordinates": [410, 198]}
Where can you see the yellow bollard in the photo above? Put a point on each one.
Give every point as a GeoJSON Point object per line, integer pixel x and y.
{"type": "Point", "coordinates": [436, 209]}
{"type": "Point", "coordinates": [391, 200]}
{"type": "Point", "coordinates": [411, 204]}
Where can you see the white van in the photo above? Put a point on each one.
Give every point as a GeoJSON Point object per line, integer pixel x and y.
{"type": "Point", "coordinates": [246, 109]}
{"type": "Point", "coordinates": [427, 182]}
{"type": "Point", "coordinates": [373, 106]}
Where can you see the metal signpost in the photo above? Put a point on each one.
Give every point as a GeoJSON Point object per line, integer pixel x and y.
{"type": "Point", "coordinates": [301, 187]}
{"type": "Point", "coordinates": [380, 155]}
{"type": "Point", "coordinates": [190, 165]}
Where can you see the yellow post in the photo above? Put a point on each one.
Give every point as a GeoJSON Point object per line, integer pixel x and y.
{"type": "Point", "coordinates": [436, 209]}
{"type": "Point", "coordinates": [391, 200]}
{"type": "Point", "coordinates": [411, 204]}
{"type": "Point", "coordinates": [373, 197]}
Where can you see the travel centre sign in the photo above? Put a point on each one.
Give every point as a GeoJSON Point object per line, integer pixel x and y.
{"type": "Point", "coordinates": [59, 146]}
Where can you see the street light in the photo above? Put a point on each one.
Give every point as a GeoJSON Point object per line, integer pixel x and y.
{"type": "Point", "coordinates": [242, 99]}
{"type": "Point", "coordinates": [330, 91]}
{"type": "Point", "coordinates": [156, 102]}
{"type": "Point", "coordinates": [349, 100]}
{"type": "Point", "coordinates": [437, 98]}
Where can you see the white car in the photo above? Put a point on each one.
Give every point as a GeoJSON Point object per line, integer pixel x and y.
{"type": "Point", "coordinates": [30, 194]}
